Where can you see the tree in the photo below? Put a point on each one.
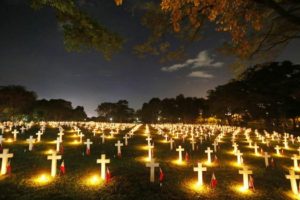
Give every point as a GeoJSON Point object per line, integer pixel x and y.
{"type": "Point", "coordinates": [173, 110]}
{"type": "Point", "coordinates": [57, 110]}
{"type": "Point", "coordinates": [268, 91]}
{"type": "Point", "coordinates": [117, 112]}
{"type": "Point", "coordinates": [255, 26]}
{"type": "Point", "coordinates": [80, 30]}
{"type": "Point", "coordinates": [15, 102]}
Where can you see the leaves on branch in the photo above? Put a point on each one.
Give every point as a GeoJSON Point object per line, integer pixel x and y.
{"type": "Point", "coordinates": [80, 31]}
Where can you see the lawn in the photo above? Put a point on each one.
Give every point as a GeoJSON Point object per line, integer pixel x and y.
{"type": "Point", "coordinates": [130, 176]}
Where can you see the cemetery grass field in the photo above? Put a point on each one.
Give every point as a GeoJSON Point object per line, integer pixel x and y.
{"type": "Point", "coordinates": [130, 176]}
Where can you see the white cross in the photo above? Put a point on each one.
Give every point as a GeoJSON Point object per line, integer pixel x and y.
{"type": "Point", "coordinates": [255, 148]}
{"type": "Point", "coordinates": [277, 148]}
{"type": "Point", "coordinates": [239, 154]}
{"type": "Point", "coordinates": [39, 133]}
{"type": "Point", "coordinates": [119, 145]}
{"type": "Point", "coordinates": [54, 157]}
{"type": "Point", "coordinates": [126, 139]}
{"type": "Point", "coordinates": [180, 150]}
{"type": "Point", "coordinates": [246, 174]}
{"type": "Point", "coordinates": [171, 143]}
{"type": "Point", "coordinates": [30, 140]}
{"type": "Point", "coordinates": [250, 143]}
{"type": "Point", "coordinates": [80, 136]}
{"type": "Point", "coordinates": [23, 129]}
{"type": "Point", "coordinates": [148, 140]}
{"type": "Point", "coordinates": [293, 178]}
{"type": "Point", "coordinates": [193, 142]}
{"type": "Point", "coordinates": [60, 134]}
{"type": "Point", "coordinates": [5, 156]}
{"type": "Point", "coordinates": [208, 151]}
{"type": "Point", "coordinates": [149, 152]}
{"type": "Point", "coordinates": [215, 144]}
{"type": "Point", "coordinates": [200, 171]}
{"type": "Point", "coordinates": [295, 158]}
{"type": "Point", "coordinates": [15, 132]}
{"type": "Point", "coordinates": [266, 156]}
{"type": "Point", "coordinates": [166, 137]}
{"type": "Point", "coordinates": [57, 141]}
{"type": "Point", "coordinates": [94, 132]}
{"type": "Point", "coordinates": [152, 166]}
{"type": "Point", "coordinates": [103, 138]}
{"type": "Point", "coordinates": [235, 145]}
{"type": "Point", "coordinates": [103, 162]}
{"type": "Point", "coordinates": [88, 144]}
{"type": "Point", "coordinates": [1, 139]}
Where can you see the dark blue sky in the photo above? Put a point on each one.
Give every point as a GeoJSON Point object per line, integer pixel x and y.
{"type": "Point", "coordinates": [32, 54]}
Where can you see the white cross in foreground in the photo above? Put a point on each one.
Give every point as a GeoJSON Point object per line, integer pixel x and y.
{"type": "Point", "coordinates": [5, 156]}
{"type": "Point", "coordinates": [200, 171]}
{"type": "Point", "coordinates": [293, 178]}
{"type": "Point", "coordinates": [103, 161]}
{"type": "Point", "coordinates": [245, 172]}
{"type": "Point", "coordinates": [152, 166]}
{"type": "Point", "coordinates": [54, 157]}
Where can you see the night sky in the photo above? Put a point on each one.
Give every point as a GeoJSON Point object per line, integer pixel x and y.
{"type": "Point", "coordinates": [32, 54]}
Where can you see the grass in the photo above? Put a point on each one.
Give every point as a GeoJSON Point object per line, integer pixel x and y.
{"type": "Point", "coordinates": [130, 176]}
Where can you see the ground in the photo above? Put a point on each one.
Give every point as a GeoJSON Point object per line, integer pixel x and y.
{"type": "Point", "coordinates": [130, 176]}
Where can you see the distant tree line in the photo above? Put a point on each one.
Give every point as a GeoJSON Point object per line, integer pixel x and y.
{"type": "Point", "coordinates": [265, 94]}
{"type": "Point", "coordinates": [17, 103]}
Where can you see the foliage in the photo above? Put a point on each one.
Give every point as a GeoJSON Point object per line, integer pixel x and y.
{"type": "Point", "coordinates": [15, 101]}
{"type": "Point", "coordinates": [18, 103]}
{"type": "Point", "coordinates": [268, 91]}
{"type": "Point", "coordinates": [117, 112]}
{"type": "Point", "coordinates": [179, 109]}
{"type": "Point", "coordinates": [80, 30]}
{"type": "Point", "coordinates": [57, 110]}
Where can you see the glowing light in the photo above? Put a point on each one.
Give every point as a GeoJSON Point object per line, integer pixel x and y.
{"type": "Point", "coordinates": [195, 186]}
{"type": "Point", "coordinates": [235, 164]}
{"type": "Point", "coordinates": [144, 148]}
{"type": "Point", "coordinates": [163, 141]}
{"type": "Point", "coordinates": [75, 142]}
{"type": "Point", "coordinates": [50, 151]}
{"type": "Point", "coordinates": [178, 162]}
{"type": "Point", "coordinates": [43, 179]}
{"type": "Point", "coordinates": [94, 180]}
{"type": "Point", "coordinates": [9, 140]}
{"type": "Point", "coordinates": [242, 189]}
{"type": "Point", "coordinates": [110, 137]}
{"type": "Point", "coordinates": [142, 159]}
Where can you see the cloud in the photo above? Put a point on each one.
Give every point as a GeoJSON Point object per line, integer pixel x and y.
{"type": "Point", "coordinates": [173, 67]}
{"type": "Point", "coordinates": [202, 60]}
{"type": "Point", "coordinates": [200, 74]}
